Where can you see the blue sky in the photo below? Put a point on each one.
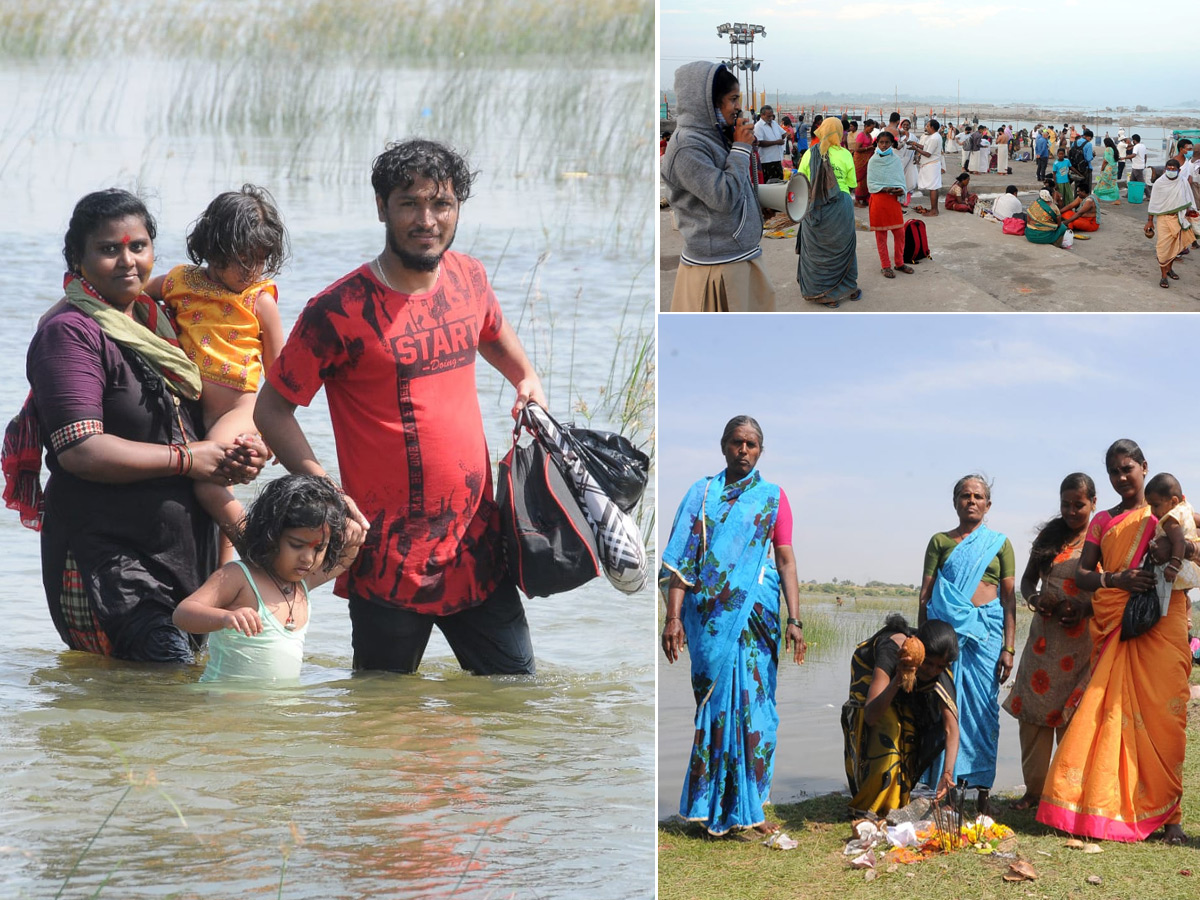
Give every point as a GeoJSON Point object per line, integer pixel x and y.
{"type": "Point", "coordinates": [870, 419]}
{"type": "Point", "coordinates": [1013, 51]}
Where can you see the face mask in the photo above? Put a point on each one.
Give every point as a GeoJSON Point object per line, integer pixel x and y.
{"type": "Point", "coordinates": [1187, 155]}
{"type": "Point", "coordinates": [887, 152]}
{"type": "Point", "coordinates": [1172, 173]}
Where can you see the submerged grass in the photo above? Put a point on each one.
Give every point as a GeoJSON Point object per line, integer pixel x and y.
{"type": "Point", "coordinates": [403, 32]}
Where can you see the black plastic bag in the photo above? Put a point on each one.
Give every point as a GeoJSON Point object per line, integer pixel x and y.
{"type": "Point", "coordinates": [548, 542]}
{"type": "Point", "coordinates": [620, 468]}
{"type": "Point", "coordinates": [1142, 610]}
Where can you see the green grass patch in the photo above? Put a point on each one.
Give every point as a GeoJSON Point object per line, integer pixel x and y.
{"type": "Point", "coordinates": [692, 865]}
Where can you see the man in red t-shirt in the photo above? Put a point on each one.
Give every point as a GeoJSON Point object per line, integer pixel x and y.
{"type": "Point", "coordinates": [394, 343]}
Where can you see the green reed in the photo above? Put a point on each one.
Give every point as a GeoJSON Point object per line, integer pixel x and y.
{"type": "Point", "coordinates": [364, 31]}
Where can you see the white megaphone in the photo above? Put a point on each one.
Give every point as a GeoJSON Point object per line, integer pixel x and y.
{"type": "Point", "coordinates": [787, 196]}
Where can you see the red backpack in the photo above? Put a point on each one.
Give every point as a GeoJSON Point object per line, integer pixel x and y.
{"type": "Point", "coordinates": [916, 242]}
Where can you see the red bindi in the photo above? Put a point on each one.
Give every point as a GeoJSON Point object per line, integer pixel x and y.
{"type": "Point", "coordinates": [126, 239]}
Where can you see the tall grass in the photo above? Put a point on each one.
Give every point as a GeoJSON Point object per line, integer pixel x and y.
{"type": "Point", "coordinates": [406, 32]}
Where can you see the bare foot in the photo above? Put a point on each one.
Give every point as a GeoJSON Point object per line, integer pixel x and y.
{"type": "Point", "coordinates": [1029, 801]}
{"type": "Point", "coordinates": [1173, 835]}
{"type": "Point", "coordinates": [768, 828]}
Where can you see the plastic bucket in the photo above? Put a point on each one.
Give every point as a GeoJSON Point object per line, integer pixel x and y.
{"type": "Point", "coordinates": [1137, 191]}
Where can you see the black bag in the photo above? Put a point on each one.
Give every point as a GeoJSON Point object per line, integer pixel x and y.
{"type": "Point", "coordinates": [549, 544]}
{"type": "Point", "coordinates": [916, 242]}
{"type": "Point", "coordinates": [1142, 610]}
{"type": "Point", "coordinates": [620, 468]}
{"type": "Point", "coordinates": [1079, 164]}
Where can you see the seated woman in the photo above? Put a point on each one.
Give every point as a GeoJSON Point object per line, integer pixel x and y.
{"type": "Point", "coordinates": [113, 401]}
{"type": "Point", "coordinates": [1044, 225]}
{"type": "Point", "coordinates": [1082, 213]}
{"type": "Point", "coordinates": [959, 198]}
{"type": "Point", "coordinates": [893, 735]}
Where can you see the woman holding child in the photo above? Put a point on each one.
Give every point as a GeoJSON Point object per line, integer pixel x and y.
{"type": "Point", "coordinates": [114, 401]}
{"type": "Point", "coordinates": [728, 556]}
{"type": "Point", "coordinates": [1118, 772]}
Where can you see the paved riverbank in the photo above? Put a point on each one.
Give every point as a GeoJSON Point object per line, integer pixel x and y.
{"type": "Point", "coordinates": [977, 268]}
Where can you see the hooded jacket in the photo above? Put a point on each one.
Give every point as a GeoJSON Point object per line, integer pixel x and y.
{"type": "Point", "coordinates": [707, 180]}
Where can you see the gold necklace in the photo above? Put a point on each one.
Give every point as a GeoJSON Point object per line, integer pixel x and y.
{"type": "Point", "coordinates": [377, 268]}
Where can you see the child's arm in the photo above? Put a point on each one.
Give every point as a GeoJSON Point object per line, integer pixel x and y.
{"type": "Point", "coordinates": [349, 552]}
{"type": "Point", "coordinates": [1174, 532]}
{"type": "Point", "coordinates": [154, 288]}
{"type": "Point", "coordinates": [267, 309]}
{"type": "Point", "coordinates": [208, 609]}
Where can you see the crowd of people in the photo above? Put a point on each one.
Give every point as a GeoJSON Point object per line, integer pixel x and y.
{"type": "Point", "coordinates": [717, 156]}
{"type": "Point", "coordinates": [1101, 706]}
{"type": "Point", "coordinates": [145, 399]}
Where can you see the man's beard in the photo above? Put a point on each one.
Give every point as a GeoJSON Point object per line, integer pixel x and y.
{"type": "Point", "coordinates": [418, 262]}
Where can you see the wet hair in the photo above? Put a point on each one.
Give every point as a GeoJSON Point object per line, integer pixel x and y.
{"type": "Point", "coordinates": [1164, 485]}
{"type": "Point", "coordinates": [1011, 189]}
{"type": "Point", "coordinates": [737, 422]}
{"type": "Point", "coordinates": [724, 81]}
{"type": "Point", "coordinates": [240, 228]}
{"type": "Point", "coordinates": [937, 636]}
{"type": "Point", "coordinates": [939, 640]}
{"type": "Point", "coordinates": [293, 501]}
{"type": "Point", "coordinates": [1082, 188]}
{"type": "Point", "coordinates": [974, 476]}
{"type": "Point", "coordinates": [1053, 535]}
{"type": "Point", "coordinates": [1123, 447]}
{"type": "Point", "coordinates": [92, 211]}
{"type": "Point", "coordinates": [894, 117]}
{"type": "Point", "coordinates": [403, 162]}
{"type": "Point", "coordinates": [963, 176]}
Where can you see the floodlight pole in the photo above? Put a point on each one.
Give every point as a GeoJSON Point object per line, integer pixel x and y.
{"type": "Point", "coordinates": [741, 35]}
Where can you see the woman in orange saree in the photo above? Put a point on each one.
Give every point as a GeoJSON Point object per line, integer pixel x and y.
{"type": "Point", "coordinates": [1118, 772]}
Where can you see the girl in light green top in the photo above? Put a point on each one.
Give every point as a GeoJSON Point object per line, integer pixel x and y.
{"type": "Point", "coordinates": [292, 540]}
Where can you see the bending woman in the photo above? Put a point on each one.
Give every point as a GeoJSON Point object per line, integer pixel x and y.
{"type": "Point", "coordinates": [969, 581]}
{"type": "Point", "coordinates": [959, 198]}
{"type": "Point", "coordinates": [893, 735]}
{"type": "Point", "coordinates": [825, 241]}
{"type": "Point", "coordinates": [706, 170]}
{"type": "Point", "coordinates": [722, 588]}
{"type": "Point", "coordinates": [1128, 734]}
{"type": "Point", "coordinates": [113, 399]}
{"type": "Point", "coordinates": [1044, 222]}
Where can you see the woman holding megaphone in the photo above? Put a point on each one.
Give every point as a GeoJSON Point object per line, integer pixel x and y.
{"type": "Point", "coordinates": [706, 170]}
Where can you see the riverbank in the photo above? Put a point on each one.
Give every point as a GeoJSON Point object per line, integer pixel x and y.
{"type": "Point", "coordinates": [977, 268]}
{"type": "Point", "coordinates": [691, 865]}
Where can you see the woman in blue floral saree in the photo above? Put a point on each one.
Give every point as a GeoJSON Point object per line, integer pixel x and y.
{"type": "Point", "coordinates": [722, 590]}
{"type": "Point", "coordinates": [969, 582]}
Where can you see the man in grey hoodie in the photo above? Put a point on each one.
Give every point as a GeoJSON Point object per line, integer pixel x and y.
{"type": "Point", "coordinates": [707, 173]}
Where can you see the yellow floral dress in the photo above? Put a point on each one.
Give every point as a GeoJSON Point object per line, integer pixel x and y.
{"type": "Point", "coordinates": [218, 329]}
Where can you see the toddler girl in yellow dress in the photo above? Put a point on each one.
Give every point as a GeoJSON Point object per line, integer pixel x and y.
{"type": "Point", "coordinates": [226, 311]}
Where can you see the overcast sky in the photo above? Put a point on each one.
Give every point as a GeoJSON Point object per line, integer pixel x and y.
{"type": "Point", "coordinates": [1069, 52]}
{"type": "Point", "coordinates": [870, 419]}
